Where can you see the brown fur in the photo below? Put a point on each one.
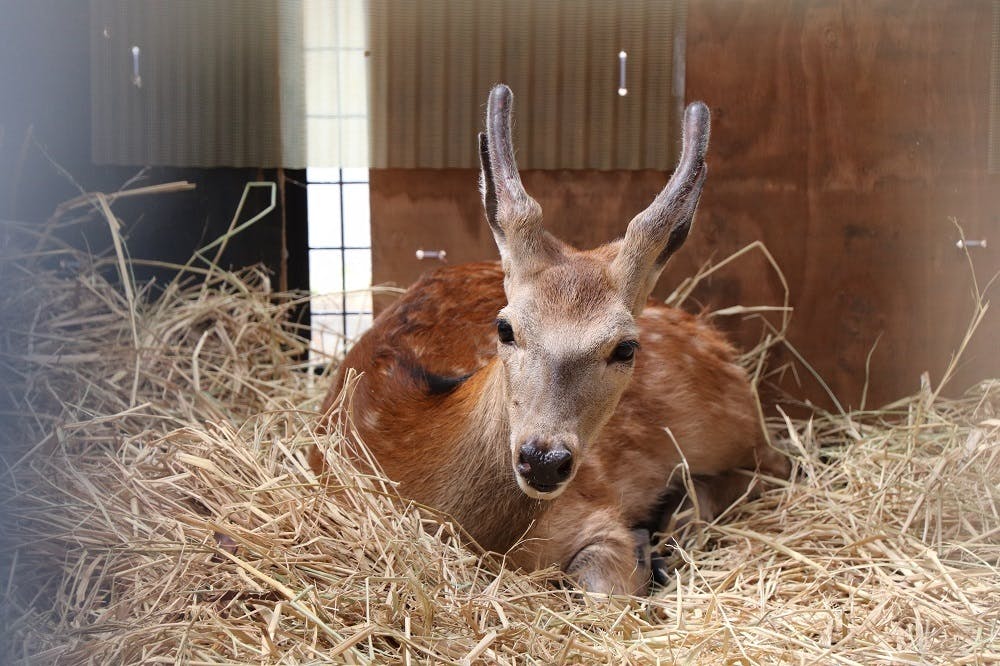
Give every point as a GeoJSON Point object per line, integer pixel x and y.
{"type": "Point", "coordinates": [435, 447]}
{"type": "Point", "coordinates": [686, 381]}
{"type": "Point", "coordinates": [557, 427]}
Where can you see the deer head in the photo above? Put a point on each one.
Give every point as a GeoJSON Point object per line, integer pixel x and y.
{"type": "Point", "coordinates": [567, 337]}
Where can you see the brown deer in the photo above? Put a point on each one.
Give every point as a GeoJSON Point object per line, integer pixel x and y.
{"type": "Point", "coordinates": [490, 390]}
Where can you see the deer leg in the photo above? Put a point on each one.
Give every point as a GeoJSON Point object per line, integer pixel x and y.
{"type": "Point", "coordinates": [616, 563]}
{"type": "Point", "coordinates": [592, 544]}
{"type": "Point", "coordinates": [643, 543]}
{"type": "Point", "coordinates": [703, 501]}
{"type": "Point", "coordinates": [709, 495]}
{"type": "Point", "coordinates": [706, 499]}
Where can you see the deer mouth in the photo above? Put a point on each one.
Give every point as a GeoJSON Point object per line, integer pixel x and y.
{"type": "Point", "coordinates": [540, 491]}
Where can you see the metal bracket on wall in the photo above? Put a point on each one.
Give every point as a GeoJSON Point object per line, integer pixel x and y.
{"type": "Point", "coordinates": [622, 59]}
{"type": "Point", "coordinates": [441, 255]}
{"type": "Point", "coordinates": [136, 77]}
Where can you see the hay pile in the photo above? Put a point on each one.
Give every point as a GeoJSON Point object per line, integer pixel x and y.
{"type": "Point", "coordinates": [160, 511]}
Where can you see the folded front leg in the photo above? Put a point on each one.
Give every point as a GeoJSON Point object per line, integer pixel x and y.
{"type": "Point", "coordinates": [592, 544]}
{"type": "Point", "coordinates": [606, 567]}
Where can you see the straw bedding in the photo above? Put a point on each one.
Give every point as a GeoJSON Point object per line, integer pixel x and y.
{"type": "Point", "coordinates": [159, 511]}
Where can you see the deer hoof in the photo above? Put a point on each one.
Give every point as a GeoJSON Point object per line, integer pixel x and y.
{"type": "Point", "coordinates": [643, 560]}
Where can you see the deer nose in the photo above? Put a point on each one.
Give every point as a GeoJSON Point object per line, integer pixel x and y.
{"type": "Point", "coordinates": [544, 467]}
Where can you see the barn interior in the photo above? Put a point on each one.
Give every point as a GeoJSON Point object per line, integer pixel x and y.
{"type": "Point", "coordinates": [205, 203]}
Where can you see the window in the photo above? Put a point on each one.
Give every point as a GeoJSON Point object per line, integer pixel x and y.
{"type": "Point", "coordinates": [340, 258]}
{"type": "Point", "coordinates": [336, 112]}
{"type": "Point", "coordinates": [335, 60]}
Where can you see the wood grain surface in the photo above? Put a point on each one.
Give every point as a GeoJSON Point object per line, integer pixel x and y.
{"type": "Point", "coordinates": [846, 135]}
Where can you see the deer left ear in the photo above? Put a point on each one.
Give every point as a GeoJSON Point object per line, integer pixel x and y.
{"type": "Point", "coordinates": [656, 233]}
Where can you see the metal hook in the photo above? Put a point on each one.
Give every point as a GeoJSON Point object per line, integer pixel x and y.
{"type": "Point", "coordinates": [136, 78]}
{"type": "Point", "coordinates": [440, 255]}
{"type": "Point", "coordinates": [622, 57]}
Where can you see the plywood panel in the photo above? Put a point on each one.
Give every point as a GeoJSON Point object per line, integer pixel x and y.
{"type": "Point", "coordinates": [846, 135]}
{"type": "Point", "coordinates": [440, 209]}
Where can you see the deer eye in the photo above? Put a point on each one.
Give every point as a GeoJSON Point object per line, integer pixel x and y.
{"type": "Point", "coordinates": [504, 332]}
{"type": "Point", "coordinates": [624, 352]}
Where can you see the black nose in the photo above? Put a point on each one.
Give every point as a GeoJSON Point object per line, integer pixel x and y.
{"type": "Point", "coordinates": [544, 467]}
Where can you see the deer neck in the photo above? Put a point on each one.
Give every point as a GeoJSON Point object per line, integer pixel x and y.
{"type": "Point", "coordinates": [486, 500]}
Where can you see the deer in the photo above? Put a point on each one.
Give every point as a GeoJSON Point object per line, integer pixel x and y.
{"type": "Point", "coordinates": [545, 402]}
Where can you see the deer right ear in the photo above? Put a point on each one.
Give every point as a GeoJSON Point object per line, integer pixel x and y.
{"type": "Point", "coordinates": [514, 217]}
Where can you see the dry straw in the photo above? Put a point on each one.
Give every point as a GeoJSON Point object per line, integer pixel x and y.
{"type": "Point", "coordinates": [160, 511]}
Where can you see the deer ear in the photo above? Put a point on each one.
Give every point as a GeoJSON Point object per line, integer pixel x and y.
{"type": "Point", "coordinates": [656, 233]}
{"type": "Point", "coordinates": [514, 217]}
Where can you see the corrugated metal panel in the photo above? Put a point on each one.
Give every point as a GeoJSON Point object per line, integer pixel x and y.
{"type": "Point", "coordinates": [434, 61]}
{"type": "Point", "coordinates": [212, 88]}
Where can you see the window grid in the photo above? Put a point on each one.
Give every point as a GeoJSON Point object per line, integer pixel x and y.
{"type": "Point", "coordinates": [345, 313]}
{"type": "Point", "coordinates": [334, 55]}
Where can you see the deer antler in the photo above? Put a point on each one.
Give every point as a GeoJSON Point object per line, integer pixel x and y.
{"type": "Point", "coordinates": [656, 233]}
{"type": "Point", "coordinates": [513, 215]}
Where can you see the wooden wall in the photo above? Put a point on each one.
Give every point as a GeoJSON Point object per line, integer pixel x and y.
{"type": "Point", "coordinates": [845, 135]}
